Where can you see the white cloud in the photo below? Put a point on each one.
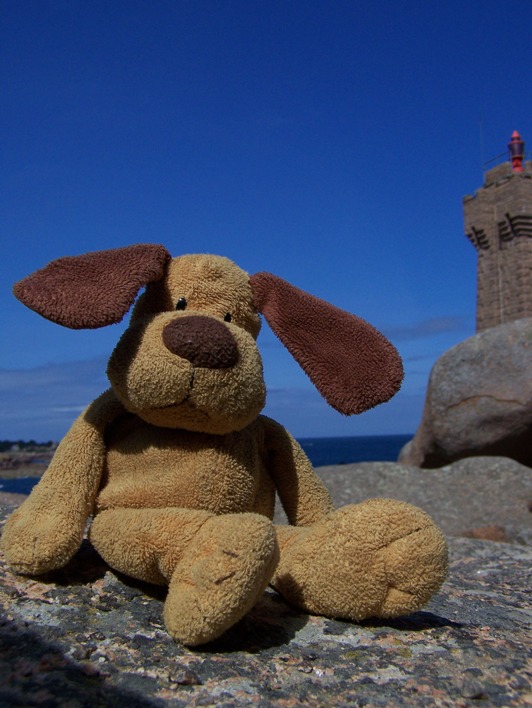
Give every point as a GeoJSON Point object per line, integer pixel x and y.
{"type": "Point", "coordinates": [42, 403]}
{"type": "Point", "coordinates": [431, 327]}
{"type": "Point", "coordinates": [304, 412]}
{"type": "Point", "coordinates": [68, 409]}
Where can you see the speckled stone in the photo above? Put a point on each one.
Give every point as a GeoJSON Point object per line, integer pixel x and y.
{"type": "Point", "coordinates": [84, 636]}
{"type": "Point", "coordinates": [465, 498]}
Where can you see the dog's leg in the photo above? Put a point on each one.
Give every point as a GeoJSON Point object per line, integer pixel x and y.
{"type": "Point", "coordinates": [381, 558]}
{"type": "Point", "coordinates": [216, 566]}
{"type": "Point", "coordinates": [47, 528]}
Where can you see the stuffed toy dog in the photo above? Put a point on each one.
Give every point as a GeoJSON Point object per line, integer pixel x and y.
{"type": "Point", "coordinates": [178, 469]}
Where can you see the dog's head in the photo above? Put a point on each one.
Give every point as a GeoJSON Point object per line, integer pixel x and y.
{"type": "Point", "coordinates": [189, 358]}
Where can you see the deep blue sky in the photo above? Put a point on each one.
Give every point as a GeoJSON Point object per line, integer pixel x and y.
{"type": "Point", "coordinates": [328, 142]}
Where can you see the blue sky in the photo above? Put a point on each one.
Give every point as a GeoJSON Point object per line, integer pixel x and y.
{"type": "Point", "coordinates": [328, 142]}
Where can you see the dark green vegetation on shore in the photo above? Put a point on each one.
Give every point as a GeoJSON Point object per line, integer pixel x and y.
{"type": "Point", "coordinates": [26, 446]}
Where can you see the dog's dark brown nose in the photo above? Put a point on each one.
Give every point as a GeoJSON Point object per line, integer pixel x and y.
{"type": "Point", "coordinates": [203, 341]}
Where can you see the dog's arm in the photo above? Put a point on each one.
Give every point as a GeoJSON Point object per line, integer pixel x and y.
{"type": "Point", "coordinates": [47, 529]}
{"type": "Point", "coordinates": [303, 496]}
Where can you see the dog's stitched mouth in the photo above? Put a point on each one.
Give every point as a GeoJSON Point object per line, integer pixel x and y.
{"type": "Point", "coordinates": [183, 401]}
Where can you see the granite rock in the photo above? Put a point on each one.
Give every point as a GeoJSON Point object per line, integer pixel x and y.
{"type": "Point", "coordinates": [479, 400]}
{"type": "Point", "coordinates": [478, 496]}
{"type": "Point", "coordinates": [85, 636]}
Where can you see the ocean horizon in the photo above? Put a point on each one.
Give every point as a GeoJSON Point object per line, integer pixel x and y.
{"type": "Point", "coordinates": [322, 452]}
{"type": "Point", "coordinates": [345, 450]}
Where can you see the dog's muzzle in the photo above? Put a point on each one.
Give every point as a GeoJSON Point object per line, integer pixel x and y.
{"type": "Point", "coordinates": [205, 342]}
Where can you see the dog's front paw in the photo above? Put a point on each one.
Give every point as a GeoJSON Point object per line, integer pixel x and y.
{"type": "Point", "coordinates": [34, 544]}
{"type": "Point", "coordinates": [221, 576]}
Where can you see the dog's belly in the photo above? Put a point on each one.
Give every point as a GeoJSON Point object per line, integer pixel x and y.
{"type": "Point", "coordinates": [150, 467]}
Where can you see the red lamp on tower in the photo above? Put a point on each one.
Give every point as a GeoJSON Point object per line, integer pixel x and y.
{"type": "Point", "coordinates": [516, 147]}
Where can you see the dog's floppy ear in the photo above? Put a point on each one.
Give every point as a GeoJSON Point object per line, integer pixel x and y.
{"type": "Point", "coordinates": [352, 365]}
{"type": "Point", "coordinates": [95, 289]}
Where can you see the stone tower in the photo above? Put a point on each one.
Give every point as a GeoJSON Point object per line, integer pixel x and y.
{"type": "Point", "coordinates": [498, 222]}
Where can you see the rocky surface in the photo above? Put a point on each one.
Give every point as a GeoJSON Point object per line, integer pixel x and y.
{"type": "Point", "coordinates": [84, 636]}
{"type": "Point", "coordinates": [14, 465]}
{"type": "Point", "coordinates": [479, 400]}
{"type": "Point", "coordinates": [486, 497]}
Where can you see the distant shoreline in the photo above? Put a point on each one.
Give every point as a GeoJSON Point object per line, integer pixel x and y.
{"type": "Point", "coordinates": [322, 451]}
{"type": "Point", "coordinates": [17, 464]}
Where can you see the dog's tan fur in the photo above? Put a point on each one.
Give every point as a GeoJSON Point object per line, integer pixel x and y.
{"type": "Point", "coordinates": [179, 470]}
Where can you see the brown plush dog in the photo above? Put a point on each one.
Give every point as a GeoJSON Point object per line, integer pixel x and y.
{"type": "Point", "coordinates": [178, 468]}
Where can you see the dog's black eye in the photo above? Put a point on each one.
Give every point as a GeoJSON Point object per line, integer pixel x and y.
{"type": "Point", "coordinates": [227, 317]}
{"type": "Point", "coordinates": [181, 304]}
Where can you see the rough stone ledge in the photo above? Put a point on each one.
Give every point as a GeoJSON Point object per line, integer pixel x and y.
{"type": "Point", "coordinates": [480, 497]}
{"type": "Point", "coordinates": [84, 636]}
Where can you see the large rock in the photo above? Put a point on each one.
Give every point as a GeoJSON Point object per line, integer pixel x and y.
{"type": "Point", "coordinates": [479, 400]}
{"type": "Point", "coordinates": [84, 636]}
{"type": "Point", "coordinates": [483, 497]}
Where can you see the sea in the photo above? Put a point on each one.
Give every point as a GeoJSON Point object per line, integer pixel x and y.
{"type": "Point", "coordinates": [321, 452]}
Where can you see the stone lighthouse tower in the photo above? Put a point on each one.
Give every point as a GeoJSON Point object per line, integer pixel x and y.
{"type": "Point", "coordinates": [498, 222]}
